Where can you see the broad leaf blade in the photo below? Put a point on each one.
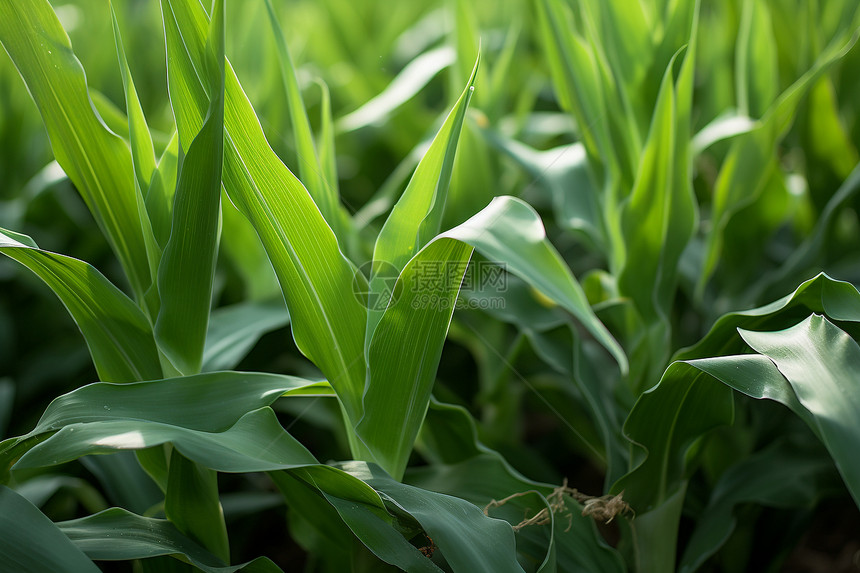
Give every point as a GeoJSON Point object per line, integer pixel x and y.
{"type": "Point", "coordinates": [510, 233]}
{"type": "Point", "coordinates": [317, 280]}
{"type": "Point", "coordinates": [140, 139]}
{"type": "Point", "coordinates": [142, 152]}
{"type": "Point", "coordinates": [323, 190]}
{"type": "Point", "coordinates": [117, 333]}
{"type": "Point", "coordinates": [256, 442]}
{"type": "Point", "coordinates": [417, 216]}
{"type": "Point", "coordinates": [469, 540]}
{"type": "Point", "coordinates": [116, 534]}
{"type": "Point", "coordinates": [464, 467]}
{"type": "Point", "coordinates": [821, 362]}
{"type": "Point", "coordinates": [30, 543]}
{"type": "Point", "coordinates": [97, 161]}
{"type": "Point", "coordinates": [235, 329]}
{"type": "Point", "coordinates": [687, 403]}
{"type": "Point", "coordinates": [209, 403]}
{"type": "Point", "coordinates": [405, 350]}
{"type": "Point", "coordinates": [187, 267]}
{"type": "Point", "coordinates": [836, 299]}
{"type": "Point", "coordinates": [402, 88]}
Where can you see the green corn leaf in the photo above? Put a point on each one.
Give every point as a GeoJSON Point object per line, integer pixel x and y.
{"type": "Point", "coordinates": [723, 127]}
{"type": "Point", "coordinates": [124, 482]}
{"type": "Point", "coordinates": [242, 246]}
{"type": "Point", "coordinates": [836, 299]}
{"type": "Point", "coordinates": [320, 185]}
{"type": "Point", "coordinates": [317, 280]}
{"type": "Point", "coordinates": [417, 216]}
{"type": "Point", "coordinates": [235, 329]}
{"type": "Point", "coordinates": [510, 233]}
{"type": "Point", "coordinates": [402, 88]}
{"type": "Point", "coordinates": [465, 37]}
{"type": "Point", "coordinates": [256, 442]}
{"type": "Point", "coordinates": [116, 534]}
{"type": "Point", "coordinates": [187, 268]}
{"type": "Point", "coordinates": [96, 160]}
{"type": "Point", "coordinates": [315, 524]}
{"type": "Point", "coordinates": [689, 404]}
{"type": "Point", "coordinates": [563, 172]}
{"type": "Point", "coordinates": [346, 511]}
{"type": "Point", "coordinates": [42, 488]}
{"type": "Point", "coordinates": [499, 75]}
{"type": "Point", "coordinates": [756, 60]}
{"type": "Point", "coordinates": [809, 253]}
{"type": "Point", "coordinates": [507, 232]}
{"type": "Point", "coordinates": [327, 154]}
{"type": "Point", "coordinates": [782, 476]}
{"type": "Point", "coordinates": [118, 335]}
{"type": "Point", "coordinates": [469, 540]}
{"type": "Point", "coordinates": [30, 543]}
{"type": "Point", "coordinates": [174, 399]}
{"type": "Point", "coordinates": [626, 36]}
{"type": "Point", "coordinates": [747, 166]}
{"type": "Point", "coordinates": [171, 402]}
{"type": "Point", "coordinates": [405, 351]}
{"type": "Point", "coordinates": [577, 82]}
{"type": "Point", "coordinates": [192, 504]}
{"type": "Point", "coordinates": [140, 139]}
{"type": "Point", "coordinates": [162, 189]}
{"type": "Point", "coordinates": [142, 153]}
{"type": "Point", "coordinates": [821, 361]}
{"type": "Point", "coordinates": [464, 467]}
{"type": "Point", "coordinates": [660, 217]}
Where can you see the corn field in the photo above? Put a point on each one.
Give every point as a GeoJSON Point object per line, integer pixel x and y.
{"type": "Point", "coordinates": [525, 286]}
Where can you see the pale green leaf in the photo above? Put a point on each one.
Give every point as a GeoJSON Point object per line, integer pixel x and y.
{"type": "Point", "coordinates": [402, 88]}
{"type": "Point", "coordinates": [317, 280]}
{"type": "Point", "coordinates": [97, 161]}
{"type": "Point", "coordinates": [405, 350]}
{"type": "Point", "coordinates": [751, 157]}
{"type": "Point", "coordinates": [187, 268]}
{"type": "Point", "coordinates": [208, 403]}
{"type": "Point", "coordinates": [318, 182]}
{"type": "Point", "coordinates": [756, 60]}
{"type": "Point", "coordinates": [510, 233]}
{"type": "Point", "coordinates": [417, 216]}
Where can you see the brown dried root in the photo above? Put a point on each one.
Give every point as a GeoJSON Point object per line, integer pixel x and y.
{"type": "Point", "coordinates": [604, 508]}
{"type": "Point", "coordinates": [428, 549]}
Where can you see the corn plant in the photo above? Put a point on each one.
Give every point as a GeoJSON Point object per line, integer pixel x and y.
{"type": "Point", "coordinates": [162, 219]}
{"type": "Point", "coordinates": [370, 307]}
